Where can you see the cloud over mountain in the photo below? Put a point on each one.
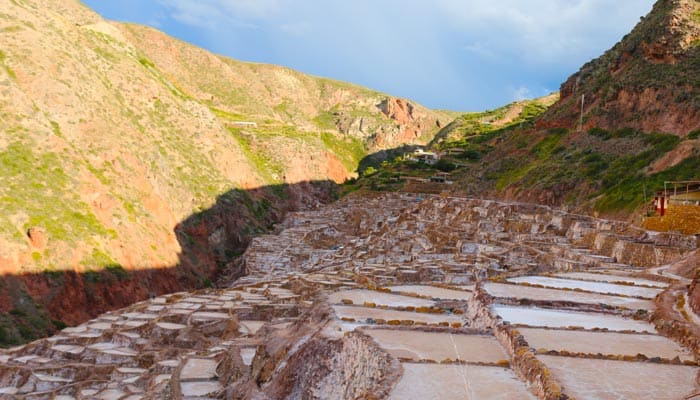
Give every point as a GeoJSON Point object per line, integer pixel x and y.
{"type": "Point", "coordinates": [448, 54]}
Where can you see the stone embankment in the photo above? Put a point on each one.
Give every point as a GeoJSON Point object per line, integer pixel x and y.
{"type": "Point", "coordinates": [399, 297]}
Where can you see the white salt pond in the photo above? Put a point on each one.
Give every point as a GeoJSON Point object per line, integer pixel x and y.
{"type": "Point", "coordinates": [433, 292]}
{"type": "Point", "coordinates": [438, 346]}
{"type": "Point", "coordinates": [587, 276]}
{"type": "Point", "coordinates": [251, 327]}
{"type": "Point", "coordinates": [362, 296]}
{"type": "Point", "coordinates": [539, 317]}
{"type": "Point", "coordinates": [199, 368]}
{"type": "Point", "coordinates": [458, 382]}
{"type": "Point", "coordinates": [606, 343]}
{"type": "Point", "coordinates": [361, 314]}
{"type": "Point", "coordinates": [199, 388]}
{"type": "Point", "coordinates": [248, 354]}
{"type": "Point", "coordinates": [543, 294]}
{"type": "Point", "coordinates": [597, 287]}
{"type": "Point", "coordinates": [613, 380]}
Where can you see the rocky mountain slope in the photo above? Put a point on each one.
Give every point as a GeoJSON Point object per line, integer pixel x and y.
{"type": "Point", "coordinates": [479, 123]}
{"type": "Point", "coordinates": [640, 122]}
{"type": "Point", "coordinates": [640, 127]}
{"type": "Point", "coordinates": [124, 149]}
{"type": "Point", "coordinates": [649, 81]}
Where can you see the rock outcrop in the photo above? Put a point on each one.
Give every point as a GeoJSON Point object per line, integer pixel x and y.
{"type": "Point", "coordinates": [648, 81]}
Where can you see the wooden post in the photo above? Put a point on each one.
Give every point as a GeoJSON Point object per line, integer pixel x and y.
{"type": "Point", "coordinates": [662, 205]}
{"type": "Point", "coordinates": [583, 100]}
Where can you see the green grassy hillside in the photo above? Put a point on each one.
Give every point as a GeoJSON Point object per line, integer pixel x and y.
{"type": "Point", "coordinates": [132, 163]}
{"type": "Point", "coordinates": [113, 133]}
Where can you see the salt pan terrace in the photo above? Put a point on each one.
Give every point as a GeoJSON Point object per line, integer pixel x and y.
{"type": "Point", "coordinates": [397, 297]}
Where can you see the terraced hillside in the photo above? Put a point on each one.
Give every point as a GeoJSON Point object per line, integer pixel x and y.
{"type": "Point", "coordinates": [124, 149]}
{"type": "Point", "coordinates": [402, 297]}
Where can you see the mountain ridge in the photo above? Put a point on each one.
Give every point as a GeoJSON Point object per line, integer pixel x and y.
{"type": "Point", "coordinates": [639, 128]}
{"type": "Point", "coordinates": [126, 103]}
{"type": "Point", "coordinates": [133, 166]}
{"type": "Point", "coordinates": [647, 81]}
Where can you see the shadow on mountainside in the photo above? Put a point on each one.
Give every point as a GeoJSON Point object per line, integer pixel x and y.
{"type": "Point", "coordinates": [34, 305]}
{"type": "Point", "coordinates": [376, 159]}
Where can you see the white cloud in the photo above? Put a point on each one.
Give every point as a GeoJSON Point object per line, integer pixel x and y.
{"type": "Point", "coordinates": [480, 49]}
{"type": "Point", "coordinates": [537, 31]}
{"type": "Point", "coordinates": [219, 14]}
{"type": "Point", "coordinates": [296, 28]}
{"type": "Point", "coordinates": [250, 8]}
{"type": "Point", "coordinates": [445, 53]}
{"type": "Point", "coordinates": [542, 30]}
{"type": "Point", "coordinates": [522, 93]}
{"type": "Point", "coordinates": [201, 14]}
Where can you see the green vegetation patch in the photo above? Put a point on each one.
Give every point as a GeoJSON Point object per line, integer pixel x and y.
{"type": "Point", "coordinates": [98, 259]}
{"type": "Point", "coordinates": [349, 150]}
{"type": "Point", "coordinates": [11, 29]}
{"type": "Point", "coordinates": [36, 186]}
{"type": "Point", "coordinates": [326, 120]}
{"type": "Point", "coordinates": [270, 170]}
{"type": "Point", "coordinates": [155, 72]}
{"type": "Point", "coordinates": [56, 129]}
{"type": "Point", "coordinates": [483, 125]}
{"type": "Point", "coordinates": [227, 114]}
{"type": "Point", "coordinates": [10, 72]}
{"type": "Point", "coordinates": [188, 168]}
{"type": "Point", "coordinates": [629, 192]}
{"type": "Point", "coordinates": [387, 175]}
{"type": "Point", "coordinates": [108, 274]}
{"type": "Point", "coordinates": [605, 134]}
{"type": "Point", "coordinates": [510, 171]}
{"type": "Point", "coordinates": [99, 173]}
{"type": "Point", "coordinates": [548, 145]}
{"type": "Point", "coordinates": [26, 321]}
{"type": "Point", "coordinates": [146, 62]}
{"type": "Point", "coordinates": [617, 183]}
{"type": "Point", "coordinates": [118, 271]}
{"type": "Point", "coordinates": [284, 108]}
{"type": "Point", "coordinates": [569, 167]}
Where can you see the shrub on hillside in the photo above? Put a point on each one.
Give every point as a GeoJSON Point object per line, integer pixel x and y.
{"type": "Point", "coordinates": [445, 166]}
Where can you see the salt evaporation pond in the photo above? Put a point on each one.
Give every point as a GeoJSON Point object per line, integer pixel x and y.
{"type": "Point", "coordinates": [458, 382]}
{"type": "Point", "coordinates": [433, 292]}
{"type": "Point", "coordinates": [540, 317]}
{"type": "Point", "coordinates": [607, 343]}
{"type": "Point", "coordinates": [361, 314]}
{"type": "Point", "coordinates": [585, 378]}
{"type": "Point", "coordinates": [588, 276]}
{"type": "Point", "coordinates": [543, 294]}
{"type": "Point", "coordinates": [438, 346]}
{"type": "Point", "coordinates": [361, 296]}
{"type": "Point", "coordinates": [598, 287]}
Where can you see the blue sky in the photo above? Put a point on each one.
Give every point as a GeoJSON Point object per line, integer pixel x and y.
{"type": "Point", "coordinates": [465, 55]}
